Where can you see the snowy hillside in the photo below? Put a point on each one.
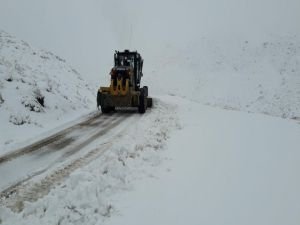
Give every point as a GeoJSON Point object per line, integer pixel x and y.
{"type": "Point", "coordinates": [38, 90]}
{"type": "Point", "coordinates": [261, 76]}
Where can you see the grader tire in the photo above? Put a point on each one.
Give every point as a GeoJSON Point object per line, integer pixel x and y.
{"type": "Point", "coordinates": [98, 99]}
{"type": "Point", "coordinates": [142, 105]}
{"type": "Point", "coordinates": [105, 109]}
{"type": "Point", "coordinates": [149, 102]}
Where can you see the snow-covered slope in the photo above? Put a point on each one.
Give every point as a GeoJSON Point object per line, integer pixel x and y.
{"type": "Point", "coordinates": [38, 91]}
{"type": "Point", "coordinates": [261, 76]}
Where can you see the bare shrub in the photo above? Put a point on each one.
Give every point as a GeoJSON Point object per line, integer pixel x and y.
{"type": "Point", "coordinates": [1, 99]}
{"type": "Point", "coordinates": [18, 119]}
{"type": "Point", "coordinates": [39, 97]}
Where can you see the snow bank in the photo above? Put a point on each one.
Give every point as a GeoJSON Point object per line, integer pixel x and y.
{"type": "Point", "coordinates": [38, 91]}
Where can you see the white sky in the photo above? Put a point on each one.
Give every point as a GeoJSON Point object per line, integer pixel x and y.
{"type": "Point", "coordinates": [86, 33]}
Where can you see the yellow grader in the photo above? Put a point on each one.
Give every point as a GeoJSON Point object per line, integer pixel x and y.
{"type": "Point", "coordinates": [124, 90]}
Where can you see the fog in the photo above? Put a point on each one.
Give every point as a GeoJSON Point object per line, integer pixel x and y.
{"type": "Point", "coordinates": [86, 33]}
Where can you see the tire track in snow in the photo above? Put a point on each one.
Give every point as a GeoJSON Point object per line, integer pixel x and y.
{"type": "Point", "coordinates": [26, 190]}
{"type": "Point", "coordinates": [33, 191]}
{"type": "Point", "coordinates": [51, 139]}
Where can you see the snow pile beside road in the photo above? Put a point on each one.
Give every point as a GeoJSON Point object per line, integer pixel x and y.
{"type": "Point", "coordinates": [87, 196]}
{"type": "Point", "coordinates": [226, 167]}
{"type": "Point", "coordinates": [38, 91]}
{"type": "Point", "coordinates": [261, 76]}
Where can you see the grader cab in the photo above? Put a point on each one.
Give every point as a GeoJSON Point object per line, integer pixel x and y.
{"type": "Point", "coordinates": [124, 90]}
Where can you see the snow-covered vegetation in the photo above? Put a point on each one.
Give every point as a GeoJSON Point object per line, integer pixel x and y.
{"type": "Point", "coordinates": [38, 91]}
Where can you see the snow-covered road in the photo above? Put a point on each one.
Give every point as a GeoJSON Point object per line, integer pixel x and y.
{"type": "Point", "coordinates": [219, 167]}
{"type": "Point", "coordinates": [226, 167]}
{"type": "Point", "coordinates": [83, 189]}
{"type": "Point", "coordinates": [59, 151]}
